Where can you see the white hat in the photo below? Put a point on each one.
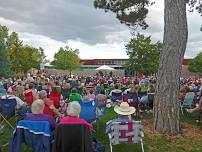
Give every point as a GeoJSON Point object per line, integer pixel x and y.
{"type": "Point", "coordinates": [124, 109]}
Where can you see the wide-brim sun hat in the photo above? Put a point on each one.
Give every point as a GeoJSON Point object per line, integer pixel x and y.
{"type": "Point", "coordinates": [124, 109]}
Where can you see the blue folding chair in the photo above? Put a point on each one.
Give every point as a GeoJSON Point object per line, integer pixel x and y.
{"type": "Point", "coordinates": [88, 110]}
{"type": "Point", "coordinates": [7, 110]}
{"type": "Point", "coordinates": [116, 96]}
{"type": "Point", "coordinates": [35, 134]}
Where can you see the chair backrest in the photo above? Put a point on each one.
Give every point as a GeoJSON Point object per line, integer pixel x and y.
{"type": "Point", "coordinates": [7, 107]}
{"type": "Point", "coordinates": [126, 132]}
{"type": "Point", "coordinates": [29, 98]}
{"type": "Point", "coordinates": [35, 134]}
{"type": "Point", "coordinates": [55, 97]}
{"type": "Point", "coordinates": [72, 138]}
{"type": "Point", "coordinates": [188, 99]}
{"type": "Point", "coordinates": [2, 92]}
{"type": "Point", "coordinates": [88, 110]}
{"type": "Point", "coordinates": [116, 96]}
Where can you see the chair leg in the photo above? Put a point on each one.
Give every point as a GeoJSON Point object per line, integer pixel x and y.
{"type": "Point", "coordinates": [110, 146]}
{"type": "Point", "coordinates": [4, 119]}
{"type": "Point", "coordinates": [142, 146]}
{"type": "Point", "coordinates": [182, 110]}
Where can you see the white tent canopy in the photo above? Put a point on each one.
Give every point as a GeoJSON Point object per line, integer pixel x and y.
{"type": "Point", "coordinates": [105, 68]}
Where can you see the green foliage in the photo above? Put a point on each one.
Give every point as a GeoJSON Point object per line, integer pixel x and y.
{"type": "Point", "coordinates": [13, 49]}
{"type": "Point", "coordinates": [23, 57]}
{"type": "Point", "coordinates": [29, 57]}
{"type": "Point", "coordinates": [66, 59]}
{"type": "Point", "coordinates": [132, 13]}
{"type": "Point", "coordinates": [196, 64]}
{"type": "Point", "coordinates": [143, 54]}
{"type": "Point", "coordinates": [5, 65]}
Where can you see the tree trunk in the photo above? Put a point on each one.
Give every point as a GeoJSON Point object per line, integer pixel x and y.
{"type": "Point", "coordinates": [166, 105]}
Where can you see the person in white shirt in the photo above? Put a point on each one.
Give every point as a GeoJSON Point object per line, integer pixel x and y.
{"type": "Point", "coordinates": [21, 107]}
{"type": "Point", "coordinates": [10, 95]}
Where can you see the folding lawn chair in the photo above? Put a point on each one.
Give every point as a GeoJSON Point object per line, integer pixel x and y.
{"type": "Point", "coordinates": [7, 110]}
{"type": "Point", "coordinates": [72, 138]}
{"type": "Point", "coordinates": [126, 133]}
{"type": "Point", "coordinates": [116, 96]}
{"type": "Point", "coordinates": [35, 134]}
{"type": "Point", "coordinates": [88, 110]}
{"type": "Point", "coordinates": [188, 101]}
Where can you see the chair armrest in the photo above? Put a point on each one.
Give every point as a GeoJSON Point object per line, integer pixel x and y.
{"type": "Point", "coordinates": [141, 134]}
{"type": "Point", "coordinates": [110, 136]}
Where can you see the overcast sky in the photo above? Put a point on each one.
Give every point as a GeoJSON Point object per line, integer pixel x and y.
{"type": "Point", "coordinates": [54, 23]}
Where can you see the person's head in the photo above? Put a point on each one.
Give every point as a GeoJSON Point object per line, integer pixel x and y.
{"type": "Point", "coordinates": [151, 88]}
{"type": "Point", "coordinates": [37, 106]}
{"type": "Point", "coordinates": [42, 94]}
{"type": "Point", "coordinates": [67, 86]}
{"type": "Point", "coordinates": [31, 85]}
{"type": "Point", "coordinates": [73, 109]}
{"type": "Point", "coordinates": [54, 89]}
{"type": "Point", "coordinates": [74, 90]}
{"type": "Point", "coordinates": [91, 91]}
{"type": "Point", "coordinates": [116, 86]}
{"type": "Point", "coordinates": [133, 89]}
{"type": "Point", "coordinates": [124, 109]}
{"type": "Point", "coordinates": [102, 91]}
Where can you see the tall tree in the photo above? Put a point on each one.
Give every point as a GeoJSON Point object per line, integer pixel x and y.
{"type": "Point", "coordinates": [5, 65]}
{"type": "Point", "coordinates": [166, 108]}
{"type": "Point", "coordinates": [166, 105]}
{"type": "Point", "coordinates": [196, 64]}
{"type": "Point", "coordinates": [13, 48]}
{"type": "Point", "coordinates": [66, 59]}
{"type": "Point", "coordinates": [143, 54]}
{"type": "Point", "coordinates": [29, 57]}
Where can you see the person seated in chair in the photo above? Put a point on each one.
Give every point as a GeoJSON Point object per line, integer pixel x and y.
{"type": "Point", "coordinates": [116, 90]}
{"type": "Point", "coordinates": [91, 95]}
{"type": "Point", "coordinates": [101, 98]}
{"type": "Point", "coordinates": [30, 94]}
{"type": "Point", "coordinates": [73, 111]}
{"type": "Point", "coordinates": [37, 108]}
{"type": "Point", "coordinates": [49, 108]}
{"type": "Point", "coordinates": [124, 112]}
{"type": "Point", "coordinates": [75, 96]}
{"type": "Point", "coordinates": [21, 106]}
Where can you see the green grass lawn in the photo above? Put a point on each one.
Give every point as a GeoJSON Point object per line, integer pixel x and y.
{"type": "Point", "coordinates": [189, 141]}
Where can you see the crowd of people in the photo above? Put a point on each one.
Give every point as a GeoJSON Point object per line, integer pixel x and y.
{"type": "Point", "coordinates": [56, 98]}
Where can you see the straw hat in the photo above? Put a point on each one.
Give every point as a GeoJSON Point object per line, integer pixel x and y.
{"type": "Point", "coordinates": [124, 109]}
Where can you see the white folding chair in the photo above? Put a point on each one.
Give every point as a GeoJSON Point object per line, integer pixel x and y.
{"type": "Point", "coordinates": [133, 133]}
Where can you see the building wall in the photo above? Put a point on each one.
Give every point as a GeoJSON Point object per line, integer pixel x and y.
{"type": "Point", "coordinates": [120, 73]}
{"type": "Point", "coordinates": [185, 72]}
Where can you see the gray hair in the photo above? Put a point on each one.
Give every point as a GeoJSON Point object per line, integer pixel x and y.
{"type": "Point", "coordinates": [42, 94]}
{"type": "Point", "coordinates": [73, 108]}
{"type": "Point", "coordinates": [37, 106]}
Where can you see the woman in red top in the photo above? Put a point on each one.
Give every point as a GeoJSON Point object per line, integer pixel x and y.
{"type": "Point", "coordinates": [49, 107]}
{"type": "Point", "coordinates": [30, 94]}
{"type": "Point", "coordinates": [55, 96]}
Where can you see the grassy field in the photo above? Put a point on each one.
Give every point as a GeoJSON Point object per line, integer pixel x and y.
{"type": "Point", "coordinates": [190, 139]}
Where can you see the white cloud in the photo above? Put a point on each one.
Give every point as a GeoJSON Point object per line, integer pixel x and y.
{"type": "Point", "coordinates": [109, 51]}
{"type": "Point", "coordinates": [95, 33]}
